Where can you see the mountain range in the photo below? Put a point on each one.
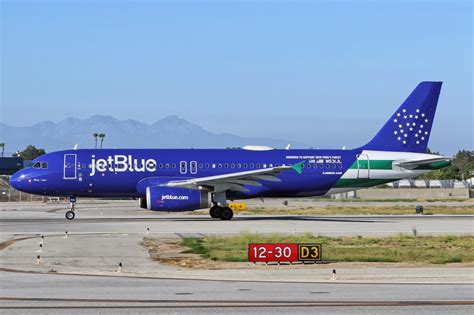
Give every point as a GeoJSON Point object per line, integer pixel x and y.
{"type": "Point", "coordinates": [169, 132]}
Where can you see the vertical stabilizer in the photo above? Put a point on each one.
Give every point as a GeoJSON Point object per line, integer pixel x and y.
{"type": "Point", "coordinates": [409, 128]}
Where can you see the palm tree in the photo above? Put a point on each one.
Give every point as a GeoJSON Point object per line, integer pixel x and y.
{"type": "Point", "coordinates": [101, 136]}
{"type": "Point", "coordinates": [2, 145]}
{"type": "Point", "coordinates": [95, 135]}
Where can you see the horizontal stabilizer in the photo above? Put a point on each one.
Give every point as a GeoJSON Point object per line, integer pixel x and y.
{"type": "Point", "coordinates": [435, 163]}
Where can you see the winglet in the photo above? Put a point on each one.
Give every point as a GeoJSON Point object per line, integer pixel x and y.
{"type": "Point", "coordinates": [298, 167]}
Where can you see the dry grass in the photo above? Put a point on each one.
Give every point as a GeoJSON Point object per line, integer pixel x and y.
{"type": "Point", "coordinates": [400, 248]}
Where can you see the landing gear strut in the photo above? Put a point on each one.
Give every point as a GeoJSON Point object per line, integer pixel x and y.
{"type": "Point", "coordinates": [70, 215]}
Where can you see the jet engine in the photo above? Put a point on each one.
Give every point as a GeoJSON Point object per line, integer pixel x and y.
{"type": "Point", "coordinates": [160, 198]}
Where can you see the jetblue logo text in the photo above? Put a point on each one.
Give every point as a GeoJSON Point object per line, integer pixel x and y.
{"type": "Point", "coordinates": [122, 163]}
{"type": "Point", "coordinates": [171, 197]}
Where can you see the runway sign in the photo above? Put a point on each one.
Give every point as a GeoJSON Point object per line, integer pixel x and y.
{"type": "Point", "coordinates": [284, 252]}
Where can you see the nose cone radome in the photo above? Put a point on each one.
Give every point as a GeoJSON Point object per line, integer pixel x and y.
{"type": "Point", "coordinates": [18, 180]}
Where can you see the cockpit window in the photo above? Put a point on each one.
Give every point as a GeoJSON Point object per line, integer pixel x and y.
{"type": "Point", "coordinates": [40, 165]}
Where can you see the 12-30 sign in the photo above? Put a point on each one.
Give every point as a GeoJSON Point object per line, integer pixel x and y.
{"type": "Point", "coordinates": [284, 252]}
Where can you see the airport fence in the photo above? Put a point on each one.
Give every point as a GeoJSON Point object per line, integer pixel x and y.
{"type": "Point", "coordinates": [11, 195]}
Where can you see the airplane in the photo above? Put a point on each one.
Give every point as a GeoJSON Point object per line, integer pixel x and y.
{"type": "Point", "coordinates": [190, 179]}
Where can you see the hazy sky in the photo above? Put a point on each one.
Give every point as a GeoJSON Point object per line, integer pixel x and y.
{"type": "Point", "coordinates": [307, 71]}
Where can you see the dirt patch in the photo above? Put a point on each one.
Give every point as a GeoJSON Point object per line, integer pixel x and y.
{"type": "Point", "coordinates": [169, 252]}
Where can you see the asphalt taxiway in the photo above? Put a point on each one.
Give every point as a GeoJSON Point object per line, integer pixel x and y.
{"type": "Point", "coordinates": [125, 217]}
{"type": "Point", "coordinates": [79, 273]}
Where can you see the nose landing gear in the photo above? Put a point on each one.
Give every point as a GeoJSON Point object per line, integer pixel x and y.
{"type": "Point", "coordinates": [70, 215]}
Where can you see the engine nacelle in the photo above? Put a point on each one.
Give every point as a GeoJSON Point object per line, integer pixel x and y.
{"type": "Point", "coordinates": [160, 198]}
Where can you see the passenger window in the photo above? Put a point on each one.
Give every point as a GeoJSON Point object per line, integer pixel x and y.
{"type": "Point", "coordinates": [340, 165]}
{"type": "Point", "coordinates": [264, 165]}
{"type": "Point", "coordinates": [207, 165]}
{"type": "Point", "coordinates": [44, 165]}
{"type": "Point", "coordinates": [226, 165]}
{"type": "Point", "coordinates": [321, 165]}
{"type": "Point", "coordinates": [173, 165]}
{"type": "Point", "coordinates": [245, 165]}
{"type": "Point", "coordinates": [219, 165]}
{"type": "Point", "coordinates": [160, 165]}
{"type": "Point", "coordinates": [167, 165]}
{"type": "Point", "coordinates": [328, 166]}
{"type": "Point", "coordinates": [257, 165]}
{"type": "Point", "coordinates": [239, 165]}
{"type": "Point", "coordinates": [276, 165]}
{"type": "Point", "coordinates": [334, 166]}
{"type": "Point", "coordinates": [251, 165]}
{"type": "Point", "coordinates": [37, 165]}
{"type": "Point", "coordinates": [213, 165]}
{"type": "Point", "coordinates": [232, 165]}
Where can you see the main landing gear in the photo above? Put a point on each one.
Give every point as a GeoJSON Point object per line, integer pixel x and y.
{"type": "Point", "coordinates": [223, 213]}
{"type": "Point", "coordinates": [70, 215]}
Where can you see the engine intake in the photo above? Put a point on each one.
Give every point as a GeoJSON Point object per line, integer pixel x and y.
{"type": "Point", "coordinates": [160, 198]}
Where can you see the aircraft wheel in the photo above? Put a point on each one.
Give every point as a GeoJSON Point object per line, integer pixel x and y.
{"type": "Point", "coordinates": [227, 213]}
{"type": "Point", "coordinates": [70, 215]}
{"type": "Point", "coordinates": [215, 212]}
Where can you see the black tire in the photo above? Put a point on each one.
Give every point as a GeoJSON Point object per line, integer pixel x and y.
{"type": "Point", "coordinates": [227, 214]}
{"type": "Point", "coordinates": [215, 212]}
{"type": "Point", "coordinates": [70, 215]}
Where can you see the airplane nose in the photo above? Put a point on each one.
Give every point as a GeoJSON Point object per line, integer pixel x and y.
{"type": "Point", "coordinates": [17, 180]}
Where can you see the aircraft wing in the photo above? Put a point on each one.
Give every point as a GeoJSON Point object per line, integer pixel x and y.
{"type": "Point", "coordinates": [235, 181]}
{"type": "Point", "coordinates": [414, 164]}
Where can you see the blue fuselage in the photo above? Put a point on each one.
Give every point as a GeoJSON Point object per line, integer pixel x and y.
{"type": "Point", "coordinates": [117, 172]}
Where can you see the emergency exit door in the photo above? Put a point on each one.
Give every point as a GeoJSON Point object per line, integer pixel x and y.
{"type": "Point", "coordinates": [363, 166]}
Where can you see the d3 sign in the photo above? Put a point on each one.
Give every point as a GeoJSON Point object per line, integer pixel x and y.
{"type": "Point", "coordinates": [309, 252]}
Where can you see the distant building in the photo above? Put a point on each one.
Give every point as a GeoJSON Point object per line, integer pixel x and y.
{"type": "Point", "coordinates": [9, 165]}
